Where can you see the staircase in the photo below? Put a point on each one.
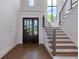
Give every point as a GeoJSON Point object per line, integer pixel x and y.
{"type": "Point", "coordinates": [59, 43]}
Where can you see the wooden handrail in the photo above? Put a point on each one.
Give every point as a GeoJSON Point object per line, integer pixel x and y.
{"type": "Point", "coordinates": [68, 10]}
{"type": "Point", "coordinates": [63, 6]}
{"type": "Point", "coordinates": [61, 12]}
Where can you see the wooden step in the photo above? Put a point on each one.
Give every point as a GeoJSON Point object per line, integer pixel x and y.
{"type": "Point", "coordinates": [61, 44]}
{"type": "Point", "coordinates": [64, 47]}
{"type": "Point", "coordinates": [59, 31]}
{"type": "Point", "coordinates": [59, 37]}
{"type": "Point", "coordinates": [49, 31]}
{"type": "Point", "coordinates": [56, 28]}
{"type": "Point", "coordinates": [66, 53]}
{"type": "Point", "coordinates": [51, 34]}
{"type": "Point", "coordinates": [52, 31]}
{"type": "Point", "coordinates": [48, 27]}
{"type": "Point", "coordinates": [56, 34]}
{"type": "Point", "coordinates": [62, 33]}
{"type": "Point", "coordinates": [61, 41]}
{"type": "Point", "coordinates": [65, 50]}
{"type": "Point", "coordinates": [64, 42]}
{"type": "Point", "coordinates": [62, 38]}
{"type": "Point", "coordinates": [56, 31]}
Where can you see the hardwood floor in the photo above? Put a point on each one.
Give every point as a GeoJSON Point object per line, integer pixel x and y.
{"type": "Point", "coordinates": [28, 51]}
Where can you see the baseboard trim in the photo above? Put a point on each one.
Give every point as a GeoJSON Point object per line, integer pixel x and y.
{"type": "Point", "coordinates": [7, 51]}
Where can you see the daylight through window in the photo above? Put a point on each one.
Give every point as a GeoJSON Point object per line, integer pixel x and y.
{"type": "Point", "coordinates": [51, 9]}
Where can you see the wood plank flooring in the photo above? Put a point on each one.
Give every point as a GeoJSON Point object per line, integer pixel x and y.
{"type": "Point", "coordinates": [28, 51]}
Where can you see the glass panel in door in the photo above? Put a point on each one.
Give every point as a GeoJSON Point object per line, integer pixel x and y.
{"type": "Point", "coordinates": [25, 26]}
{"type": "Point", "coordinates": [28, 26]}
{"type": "Point", "coordinates": [30, 30]}
{"type": "Point", "coordinates": [35, 26]}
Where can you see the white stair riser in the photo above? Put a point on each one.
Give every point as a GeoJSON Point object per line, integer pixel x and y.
{"type": "Point", "coordinates": [64, 44]}
{"type": "Point", "coordinates": [57, 36]}
{"type": "Point", "coordinates": [59, 40]}
{"type": "Point", "coordinates": [59, 30]}
{"type": "Point", "coordinates": [65, 50]}
{"type": "Point", "coordinates": [61, 36]}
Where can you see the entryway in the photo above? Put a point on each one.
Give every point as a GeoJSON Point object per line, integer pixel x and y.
{"type": "Point", "coordinates": [30, 30]}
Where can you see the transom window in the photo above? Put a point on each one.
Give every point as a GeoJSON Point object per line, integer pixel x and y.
{"type": "Point", "coordinates": [31, 2]}
{"type": "Point", "coordinates": [51, 9]}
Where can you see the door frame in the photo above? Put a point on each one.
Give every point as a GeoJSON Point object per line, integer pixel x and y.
{"type": "Point", "coordinates": [23, 27]}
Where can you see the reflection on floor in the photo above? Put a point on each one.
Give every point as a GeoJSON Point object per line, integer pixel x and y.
{"type": "Point", "coordinates": [28, 51]}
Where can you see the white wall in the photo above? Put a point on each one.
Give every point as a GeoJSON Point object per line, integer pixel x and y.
{"type": "Point", "coordinates": [70, 26]}
{"type": "Point", "coordinates": [8, 14]}
{"type": "Point", "coordinates": [60, 4]}
{"type": "Point", "coordinates": [39, 5]}
{"type": "Point", "coordinates": [37, 10]}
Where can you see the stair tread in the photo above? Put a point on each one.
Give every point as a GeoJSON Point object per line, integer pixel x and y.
{"type": "Point", "coordinates": [49, 34]}
{"type": "Point", "coordinates": [59, 37]}
{"type": "Point", "coordinates": [66, 53]}
{"type": "Point", "coordinates": [59, 31]}
{"type": "Point", "coordinates": [62, 38]}
{"type": "Point", "coordinates": [64, 47]}
{"type": "Point", "coordinates": [65, 50]}
{"type": "Point", "coordinates": [49, 31]}
{"type": "Point", "coordinates": [56, 34]}
{"type": "Point", "coordinates": [52, 30]}
{"type": "Point", "coordinates": [61, 41]}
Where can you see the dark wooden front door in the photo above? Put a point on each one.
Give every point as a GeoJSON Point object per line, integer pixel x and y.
{"type": "Point", "coordinates": [30, 30]}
